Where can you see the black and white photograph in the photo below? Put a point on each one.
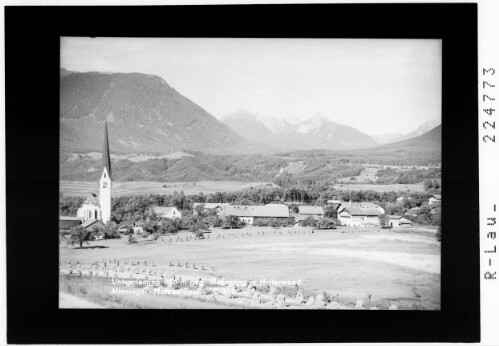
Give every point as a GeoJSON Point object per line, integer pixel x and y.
{"type": "Point", "coordinates": [250, 173]}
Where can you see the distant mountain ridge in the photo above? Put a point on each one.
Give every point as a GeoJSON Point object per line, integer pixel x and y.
{"type": "Point", "coordinates": [397, 137]}
{"type": "Point", "coordinates": [316, 132]}
{"type": "Point", "coordinates": [145, 114]}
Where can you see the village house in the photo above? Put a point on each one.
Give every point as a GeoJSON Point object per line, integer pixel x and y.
{"type": "Point", "coordinates": [413, 211]}
{"type": "Point", "coordinates": [68, 222]}
{"type": "Point", "coordinates": [315, 212]}
{"type": "Point", "coordinates": [251, 213]}
{"type": "Point", "coordinates": [354, 216]}
{"type": "Point", "coordinates": [166, 212]}
{"type": "Point", "coordinates": [219, 207]}
{"type": "Point", "coordinates": [399, 221]}
{"type": "Point", "coordinates": [400, 199]}
{"type": "Point", "coordinates": [435, 199]}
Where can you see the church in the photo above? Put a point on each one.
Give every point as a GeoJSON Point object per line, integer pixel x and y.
{"type": "Point", "coordinates": [99, 207]}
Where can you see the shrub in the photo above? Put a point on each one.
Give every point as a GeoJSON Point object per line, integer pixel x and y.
{"type": "Point", "coordinates": [326, 223]}
{"type": "Point", "coordinates": [232, 222]}
{"type": "Point", "coordinates": [309, 221]}
{"type": "Point", "coordinates": [131, 239]}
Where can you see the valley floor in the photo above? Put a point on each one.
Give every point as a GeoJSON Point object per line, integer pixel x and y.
{"type": "Point", "coordinates": [83, 188]}
{"type": "Point", "coordinates": [397, 266]}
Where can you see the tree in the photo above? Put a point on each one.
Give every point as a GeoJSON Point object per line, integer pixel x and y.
{"type": "Point", "coordinates": [309, 221]}
{"type": "Point", "coordinates": [384, 220]}
{"type": "Point", "coordinates": [80, 236]}
{"type": "Point", "coordinates": [110, 230]}
{"type": "Point", "coordinates": [326, 223]}
{"type": "Point", "coordinates": [232, 222]}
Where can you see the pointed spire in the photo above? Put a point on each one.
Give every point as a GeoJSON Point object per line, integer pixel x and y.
{"type": "Point", "coordinates": [106, 159]}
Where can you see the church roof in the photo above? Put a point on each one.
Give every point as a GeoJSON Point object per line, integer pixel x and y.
{"type": "Point", "coordinates": [92, 199]}
{"type": "Point", "coordinates": [106, 158]}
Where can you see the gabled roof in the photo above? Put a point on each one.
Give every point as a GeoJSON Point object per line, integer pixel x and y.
{"type": "Point", "coordinates": [163, 210]}
{"type": "Point", "coordinates": [70, 218]}
{"type": "Point", "coordinates": [257, 210]}
{"type": "Point", "coordinates": [404, 220]}
{"type": "Point", "coordinates": [92, 199]}
{"type": "Point", "coordinates": [395, 217]}
{"type": "Point", "coordinates": [310, 209]}
{"type": "Point", "coordinates": [91, 222]}
{"type": "Point", "coordinates": [354, 211]}
{"type": "Point", "coordinates": [413, 211]}
{"type": "Point", "coordinates": [361, 205]}
{"type": "Point", "coordinates": [438, 196]}
{"type": "Point", "coordinates": [210, 205]}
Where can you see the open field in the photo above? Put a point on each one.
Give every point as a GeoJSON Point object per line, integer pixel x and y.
{"type": "Point", "coordinates": [83, 188]}
{"type": "Point", "coordinates": [399, 267]}
{"type": "Point", "coordinates": [381, 188]}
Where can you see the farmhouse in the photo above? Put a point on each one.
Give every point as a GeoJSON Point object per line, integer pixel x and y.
{"type": "Point", "coordinates": [166, 212]}
{"type": "Point", "coordinates": [399, 221]}
{"type": "Point", "coordinates": [400, 199]}
{"type": "Point", "coordinates": [219, 207]}
{"type": "Point", "coordinates": [251, 213]}
{"type": "Point", "coordinates": [364, 205]}
{"type": "Point", "coordinates": [358, 217]}
{"type": "Point", "coordinates": [435, 199]}
{"type": "Point", "coordinates": [68, 222]}
{"type": "Point", "coordinates": [310, 210]}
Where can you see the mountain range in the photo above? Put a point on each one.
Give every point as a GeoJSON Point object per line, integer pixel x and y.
{"type": "Point", "coordinates": [146, 115]}
{"type": "Point", "coordinates": [398, 137]}
{"type": "Point", "coordinates": [316, 132]}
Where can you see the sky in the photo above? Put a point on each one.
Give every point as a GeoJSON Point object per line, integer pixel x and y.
{"type": "Point", "coordinates": [375, 85]}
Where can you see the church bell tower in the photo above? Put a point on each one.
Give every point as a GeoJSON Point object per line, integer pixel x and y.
{"type": "Point", "coordinates": [105, 180]}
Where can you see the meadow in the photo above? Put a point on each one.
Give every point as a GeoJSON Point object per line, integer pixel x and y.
{"type": "Point", "coordinates": [381, 188]}
{"type": "Point", "coordinates": [83, 188]}
{"type": "Point", "coordinates": [398, 266]}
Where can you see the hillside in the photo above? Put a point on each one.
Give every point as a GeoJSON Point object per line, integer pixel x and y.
{"type": "Point", "coordinates": [316, 132]}
{"type": "Point", "coordinates": [424, 150]}
{"type": "Point", "coordinates": [145, 114]}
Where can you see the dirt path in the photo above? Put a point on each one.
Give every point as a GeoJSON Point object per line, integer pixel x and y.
{"type": "Point", "coordinates": [68, 301]}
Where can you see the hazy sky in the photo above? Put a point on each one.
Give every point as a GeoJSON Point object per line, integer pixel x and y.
{"type": "Point", "coordinates": [377, 86]}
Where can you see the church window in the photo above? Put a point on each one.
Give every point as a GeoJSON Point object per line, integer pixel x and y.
{"type": "Point", "coordinates": [95, 215]}
{"type": "Point", "coordinates": [104, 174]}
{"type": "Point", "coordinates": [104, 184]}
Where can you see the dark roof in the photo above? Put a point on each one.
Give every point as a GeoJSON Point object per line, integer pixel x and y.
{"type": "Point", "coordinates": [106, 158]}
{"type": "Point", "coordinates": [70, 218]}
{"type": "Point", "coordinates": [91, 222]}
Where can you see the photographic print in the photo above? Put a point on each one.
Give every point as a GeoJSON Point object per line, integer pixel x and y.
{"type": "Point", "coordinates": [245, 173]}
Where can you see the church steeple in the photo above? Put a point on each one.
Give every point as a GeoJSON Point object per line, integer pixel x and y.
{"type": "Point", "coordinates": [106, 159]}
{"type": "Point", "coordinates": [105, 180]}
